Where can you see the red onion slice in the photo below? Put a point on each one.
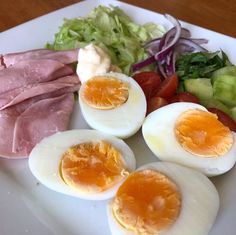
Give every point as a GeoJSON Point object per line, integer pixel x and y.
{"type": "Point", "coordinates": [152, 50]}
{"type": "Point", "coordinates": [152, 42]}
{"type": "Point", "coordinates": [184, 33]}
{"type": "Point", "coordinates": [161, 69]}
{"type": "Point", "coordinates": [171, 34]}
{"type": "Point", "coordinates": [191, 43]}
{"type": "Point", "coordinates": [198, 40]}
{"type": "Point", "coordinates": [169, 64]}
{"type": "Point", "coordinates": [143, 63]}
{"type": "Point", "coordinates": [165, 50]}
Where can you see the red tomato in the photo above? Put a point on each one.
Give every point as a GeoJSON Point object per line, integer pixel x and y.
{"type": "Point", "coordinates": [155, 103]}
{"type": "Point", "coordinates": [167, 88]}
{"type": "Point", "coordinates": [148, 81]}
{"type": "Point", "coordinates": [185, 97]}
{"type": "Point", "coordinates": [224, 118]}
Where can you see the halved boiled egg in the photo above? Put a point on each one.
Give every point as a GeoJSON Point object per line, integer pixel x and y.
{"type": "Point", "coordinates": [113, 103]}
{"type": "Point", "coordinates": [163, 198]}
{"type": "Point", "coordinates": [186, 133]}
{"type": "Point", "coordinates": [86, 164]}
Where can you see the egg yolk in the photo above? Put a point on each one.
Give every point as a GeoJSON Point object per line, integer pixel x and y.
{"type": "Point", "coordinates": [201, 133]}
{"type": "Point", "coordinates": [92, 167]}
{"type": "Point", "coordinates": [105, 92]}
{"type": "Point", "coordinates": [147, 202]}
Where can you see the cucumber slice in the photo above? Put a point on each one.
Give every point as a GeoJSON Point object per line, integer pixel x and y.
{"type": "Point", "coordinates": [214, 103]}
{"type": "Point", "coordinates": [227, 70]}
{"type": "Point", "coordinates": [224, 89]}
{"type": "Point", "coordinates": [200, 87]}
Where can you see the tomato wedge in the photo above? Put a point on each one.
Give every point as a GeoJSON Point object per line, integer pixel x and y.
{"type": "Point", "coordinates": [224, 118]}
{"type": "Point", "coordinates": [185, 97]}
{"type": "Point", "coordinates": [155, 103]}
{"type": "Point", "coordinates": [148, 81]}
{"type": "Point", "coordinates": [168, 87]}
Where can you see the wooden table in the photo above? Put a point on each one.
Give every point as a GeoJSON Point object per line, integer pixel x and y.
{"type": "Point", "coordinates": [217, 15]}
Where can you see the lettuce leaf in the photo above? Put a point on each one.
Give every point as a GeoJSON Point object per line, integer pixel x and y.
{"type": "Point", "coordinates": [112, 30]}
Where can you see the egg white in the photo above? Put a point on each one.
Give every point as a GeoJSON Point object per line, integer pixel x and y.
{"type": "Point", "coordinates": [200, 201]}
{"type": "Point", "coordinates": [123, 121]}
{"type": "Point", "coordinates": [44, 160]}
{"type": "Point", "coordinates": [158, 133]}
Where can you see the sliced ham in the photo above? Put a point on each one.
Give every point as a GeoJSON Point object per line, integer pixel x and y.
{"type": "Point", "coordinates": [18, 95]}
{"type": "Point", "coordinates": [7, 122]}
{"type": "Point", "coordinates": [42, 119]}
{"type": "Point", "coordinates": [8, 118]}
{"type": "Point", "coordinates": [16, 114]}
{"type": "Point", "coordinates": [65, 57]}
{"type": "Point", "coordinates": [36, 98]}
{"type": "Point", "coordinates": [10, 115]}
{"type": "Point", "coordinates": [31, 72]}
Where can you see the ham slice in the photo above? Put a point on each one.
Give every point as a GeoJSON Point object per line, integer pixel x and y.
{"type": "Point", "coordinates": [10, 116]}
{"type": "Point", "coordinates": [18, 95]}
{"type": "Point", "coordinates": [65, 57]}
{"type": "Point", "coordinates": [36, 98]}
{"type": "Point", "coordinates": [42, 119]}
{"type": "Point", "coordinates": [7, 122]}
{"type": "Point", "coordinates": [31, 72]}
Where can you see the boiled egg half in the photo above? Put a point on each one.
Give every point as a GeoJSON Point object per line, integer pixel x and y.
{"type": "Point", "coordinates": [186, 133]}
{"type": "Point", "coordinates": [113, 103]}
{"type": "Point", "coordinates": [86, 164]}
{"type": "Point", "coordinates": [163, 199]}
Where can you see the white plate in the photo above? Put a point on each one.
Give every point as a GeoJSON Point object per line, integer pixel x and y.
{"type": "Point", "coordinates": [29, 208]}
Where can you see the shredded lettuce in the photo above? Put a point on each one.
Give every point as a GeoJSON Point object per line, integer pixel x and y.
{"type": "Point", "coordinates": [112, 30]}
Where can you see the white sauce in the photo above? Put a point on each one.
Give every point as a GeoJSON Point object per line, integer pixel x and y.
{"type": "Point", "coordinates": [92, 60]}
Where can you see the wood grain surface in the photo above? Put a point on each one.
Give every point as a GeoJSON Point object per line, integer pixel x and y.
{"type": "Point", "coordinates": [217, 15]}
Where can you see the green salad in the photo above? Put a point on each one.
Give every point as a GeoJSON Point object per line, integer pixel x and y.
{"type": "Point", "coordinates": [112, 30]}
{"type": "Point", "coordinates": [211, 77]}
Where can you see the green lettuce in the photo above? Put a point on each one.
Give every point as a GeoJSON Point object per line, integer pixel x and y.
{"type": "Point", "coordinates": [112, 30]}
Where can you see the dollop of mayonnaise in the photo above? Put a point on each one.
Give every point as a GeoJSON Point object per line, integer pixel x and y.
{"type": "Point", "coordinates": [92, 60]}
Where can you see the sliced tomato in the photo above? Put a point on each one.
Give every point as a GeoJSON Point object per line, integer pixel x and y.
{"type": "Point", "coordinates": [224, 118]}
{"type": "Point", "coordinates": [168, 87]}
{"type": "Point", "coordinates": [155, 103]}
{"type": "Point", "coordinates": [185, 97]}
{"type": "Point", "coordinates": [148, 81]}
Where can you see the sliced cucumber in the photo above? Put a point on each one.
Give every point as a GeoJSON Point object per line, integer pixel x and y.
{"type": "Point", "coordinates": [214, 103]}
{"type": "Point", "coordinates": [228, 70]}
{"type": "Point", "coordinates": [224, 89]}
{"type": "Point", "coordinates": [200, 87]}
